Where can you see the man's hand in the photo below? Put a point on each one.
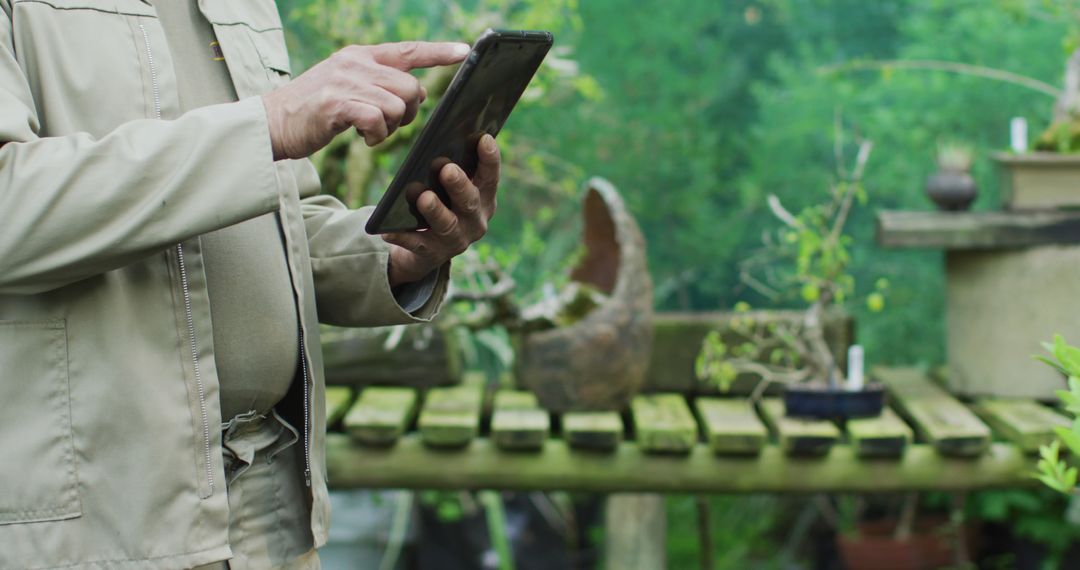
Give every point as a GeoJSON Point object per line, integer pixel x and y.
{"type": "Point", "coordinates": [413, 255]}
{"type": "Point", "coordinates": [366, 87]}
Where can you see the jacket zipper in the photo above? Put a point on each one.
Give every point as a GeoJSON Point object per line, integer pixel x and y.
{"type": "Point", "coordinates": [188, 312]}
{"type": "Point", "coordinates": [307, 410]}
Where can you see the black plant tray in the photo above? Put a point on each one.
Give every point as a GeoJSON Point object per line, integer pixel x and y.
{"type": "Point", "coordinates": [824, 402]}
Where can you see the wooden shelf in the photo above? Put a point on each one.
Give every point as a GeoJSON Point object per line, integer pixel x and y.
{"type": "Point", "coordinates": [977, 230]}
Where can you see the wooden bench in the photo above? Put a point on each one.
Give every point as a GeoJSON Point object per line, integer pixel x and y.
{"type": "Point", "coordinates": [447, 438]}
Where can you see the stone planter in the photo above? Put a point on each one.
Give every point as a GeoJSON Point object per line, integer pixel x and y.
{"type": "Point", "coordinates": [599, 362]}
{"type": "Point", "coordinates": [1039, 180]}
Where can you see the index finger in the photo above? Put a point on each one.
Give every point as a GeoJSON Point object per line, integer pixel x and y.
{"type": "Point", "coordinates": [413, 55]}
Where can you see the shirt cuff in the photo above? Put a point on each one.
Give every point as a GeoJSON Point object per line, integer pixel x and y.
{"type": "Point", "coordinates": [412, 296]}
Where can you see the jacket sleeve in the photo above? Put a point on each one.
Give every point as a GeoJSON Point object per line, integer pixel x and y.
{"type": "Point", "coordinates": [350, 266]}
{"type": "Point", "coordinates": [76, 206]}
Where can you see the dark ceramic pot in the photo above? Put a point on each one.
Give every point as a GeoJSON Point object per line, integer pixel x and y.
{"type": "Point", "coordinates": [952, 190]}
{"type": "Point", "coordinates": [824, 402]}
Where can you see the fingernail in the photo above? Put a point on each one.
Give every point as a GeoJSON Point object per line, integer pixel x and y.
{"type": "Point", "coordinates": [453, 174]}
{"type": "Point", "coordinates": [489, 144]}
{"type": "Point", "coordinates": [433, 205]}
{"type": "Point", "coordinates": [461, 50]}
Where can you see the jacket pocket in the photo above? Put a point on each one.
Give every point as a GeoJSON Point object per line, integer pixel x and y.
{"type": "Point", "coordinates": [38, 480]}
{"type": "Point", "coordinates": [270, 45]}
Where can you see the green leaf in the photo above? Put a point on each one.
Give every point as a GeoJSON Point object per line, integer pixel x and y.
{"type": "Point", "coordinates": [1050, 482]}
{"type": "Point", "coordinates": [1068, 356]}
{"type": "Point", "coordinates": [1070, 438]}
{"type": "Point", "coordinates": [1071, 401]}
{"type": "Point", "coordinates": [1053, 364]}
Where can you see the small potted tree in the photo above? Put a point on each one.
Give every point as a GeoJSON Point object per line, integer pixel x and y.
{"type": "Point", "coordinates": [806, 258]}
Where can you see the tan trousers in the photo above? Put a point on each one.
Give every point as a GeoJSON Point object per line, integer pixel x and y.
{"type": "Point", "coordinates": [268, 513]}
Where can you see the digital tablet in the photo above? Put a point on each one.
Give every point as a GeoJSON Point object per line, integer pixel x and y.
{"type": "Point", "coordinates": [479, 99]}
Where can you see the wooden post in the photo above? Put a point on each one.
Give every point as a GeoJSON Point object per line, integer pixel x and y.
{"type": "Point", "coordinates": [636, 531]}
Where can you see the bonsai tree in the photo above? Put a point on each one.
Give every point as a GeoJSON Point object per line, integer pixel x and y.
{"type": "Point", "coordinates": [806, 258]}
{"type": "Point", "coordinates": [1052, 470]}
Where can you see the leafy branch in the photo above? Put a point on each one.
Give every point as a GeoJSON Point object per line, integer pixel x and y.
{"type": "Point", "coordinates": [1052, 470]}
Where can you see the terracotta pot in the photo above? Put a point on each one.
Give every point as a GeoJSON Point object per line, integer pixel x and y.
{"type": "Point", "coordinates": [599, 362]}
{"type": "Point", "coordinates": [875, 547]}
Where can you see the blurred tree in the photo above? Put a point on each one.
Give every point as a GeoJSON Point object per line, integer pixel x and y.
{"type": "Point", "coordinates": [698, 110]}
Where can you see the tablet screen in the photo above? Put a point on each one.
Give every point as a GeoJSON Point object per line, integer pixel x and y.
{"type": "Point", "coordinates": [478, 101]}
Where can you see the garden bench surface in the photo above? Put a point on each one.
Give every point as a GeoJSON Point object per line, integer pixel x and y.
{"type": "Point", "coordinates": [664, 423]}
{"type": "Point", "coordinates": [937, 417]}
{"type": "Point", "coordinates": [1025, 423]}
{"type": "Point", "coordinates": [380, 415]}
{"type": "Point", "coordinates": [731, 425]}
{"type": "Point", "coordinates": [518, 421]}
{"type": "Point", "coordinates": [798, 436]}
{"type": "Point", "coordinates": [451, 416]}
{"type": "Point", "coordinates": [884, 436]}
{"type": "Point", "coordinates": [338, 399]}
{"type": "Point", "coordinates": [593, 430]}
{"type": "Point", "coordinates": [458, 444]}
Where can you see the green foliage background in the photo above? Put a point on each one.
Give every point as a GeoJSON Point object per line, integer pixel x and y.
{"type": "Point", "coordinates": [697, 110]}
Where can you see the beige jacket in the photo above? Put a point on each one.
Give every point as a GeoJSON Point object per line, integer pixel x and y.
{"type": "Point", "coordinates": [110, 448]}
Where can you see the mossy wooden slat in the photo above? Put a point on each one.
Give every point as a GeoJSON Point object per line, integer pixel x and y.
{"type": "Point", "coordinates": [592, 430]}
{"type": "Point", "coordinates": [1026, 423]}
{"type": "Point", "coordinates": [518, 422]}
{"type": "Point", "coordinates": [884, 436]}
{"type": "Point", "coordinates": [731, 426]}
{"type": "Point", "coordinates": [663, 423]}
{"type": "Point", "coordinates": [937, 417]}
{"type": "Point", "coordinates": [451, 416]}
{"type": "Point", "coordinates": [338, 399]}
{"type": "Point", "coordinates": [380, 415]}
{"type": "Point", "coordinates": [798, 436]}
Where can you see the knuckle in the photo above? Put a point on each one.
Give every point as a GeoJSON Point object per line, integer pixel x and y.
{"type": "Point", "coordinates": [415, 89]}
{"type": "Point", "coordinates": [369, 116]}
{"type": "Point", "coordinates": [405, 49]}
{"type": "Point", "coordinates": [345, 56]}
{"type": "Point", "coordinates": [355, 51]}
{"type": "Point", "coordinates": [451, 226]}
{"type": "Point", "coordinates": [395, 110]}
{"type": "Point", "coordinates": [471, 205]}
